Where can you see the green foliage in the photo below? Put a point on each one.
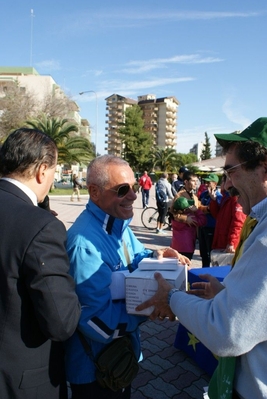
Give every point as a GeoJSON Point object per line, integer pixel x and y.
{"type": "Point", "coordinates": [185, 159]}
{"type": "Point", "coordinates": [65, 191]}
{"type": "Point", "coordinates": [19, 105]}
{"type": "Point", "coordinates": [206, 152]}
{"type": "Point", "coordinates": [136, 142]}
{"type": "Point", "coordinates": [165, 159]}
{"type": "Point", "coordinates": [71, 149]}
{"type": "Point", "coordinates": [139, 150]}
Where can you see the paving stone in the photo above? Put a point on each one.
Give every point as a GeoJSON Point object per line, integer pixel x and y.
{"type": "Point", "coordinates": [157, 391]}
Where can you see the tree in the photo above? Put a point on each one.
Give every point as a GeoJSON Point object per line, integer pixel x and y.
{"type": "Point", "coordinates": [165, 159]}
{"type": "Point", "coordinates": [19, 105]}
{"type": "Point", "coordinates": [71, 149]}
{"type": "Point", "coordinates": [56, 107]}
{"type": "Point", "coordinates": [15, 107]}
{"type": "Point", "coordinates": [185, 159]}
{"type": "Point", "coordinates": [206, 152]}
{"type": "Point", "coordinates": [136, 142]}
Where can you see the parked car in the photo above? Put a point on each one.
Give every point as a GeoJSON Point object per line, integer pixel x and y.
{"type": "Point", "coordinates": [63, 184]}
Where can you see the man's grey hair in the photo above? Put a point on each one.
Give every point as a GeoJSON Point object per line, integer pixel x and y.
{"type": "Point", "coordinates": [164, 175]}
{"type": "Point", "coordinates": [97, 171]}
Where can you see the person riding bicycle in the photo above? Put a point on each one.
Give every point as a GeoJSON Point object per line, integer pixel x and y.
{"type": "Point", "coordinates": [163, 195]}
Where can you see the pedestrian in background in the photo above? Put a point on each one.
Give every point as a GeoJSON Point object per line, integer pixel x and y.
{"type": "Point", "coordinates": [206, 232]}
{"type": "Point", "coordinates": [175, 184]}
{"type": "Point", "coordinates": [180, 180]}
{"type": "Point", "coordinates": [229, 219]}
{"type": "Point", "coordinates": [76, 188]}
{"type": "Point", "coordinates": [163, 196]}
{"type": "Point", "coordinates": [146, 183]}
{"type": "Point", "coordinates": [185, 223]}
{"type": "Point", "coordinates": [184, 231]}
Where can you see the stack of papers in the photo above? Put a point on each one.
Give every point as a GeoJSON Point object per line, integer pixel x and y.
{"type": "Point", "coordinates": [158, 264]}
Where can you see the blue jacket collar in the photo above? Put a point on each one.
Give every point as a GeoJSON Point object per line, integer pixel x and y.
{"type": "Point", "coordinates": [110, 224]}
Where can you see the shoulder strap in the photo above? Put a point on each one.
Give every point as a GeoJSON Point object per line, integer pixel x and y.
{"type": "Point", "coordinates": [86, 346]}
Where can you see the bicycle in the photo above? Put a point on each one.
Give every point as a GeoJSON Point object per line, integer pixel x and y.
{"type": "Point", "coordinates": [149, 218]}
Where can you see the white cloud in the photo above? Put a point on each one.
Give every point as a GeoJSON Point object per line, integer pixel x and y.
{"type": "Point", "coordinates": [204, 15]}
{"type": "Point", "coordinates": [48, 65]}
{"type": "Point", "coordinates": [139, 66]}
{"type": "Point", "coordinates": [129, 88]}
{"type": "Point", "coordinates": [98, 72]}
{"type": "Point", "coordinates": [94, 72]}
{"type": "Point", "coordinates": [116, 86]}
{"type": "Point", "coordinates": [118, 18]}
{"type": "Point", "coordinates": [234, 113]}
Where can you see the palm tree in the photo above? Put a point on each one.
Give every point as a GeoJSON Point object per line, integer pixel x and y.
{"type": "Point", "coordinates": [71, 149]}
{"type": "Point", "coordinates": [165, 159]}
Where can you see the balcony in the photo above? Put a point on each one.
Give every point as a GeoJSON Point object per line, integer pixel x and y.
{"type": "Point", "coordinates": [169, 135]}
{"type": "Point", "coordinates": [169, 142]}
{"type": "Point", "coordinates": [171, 107]}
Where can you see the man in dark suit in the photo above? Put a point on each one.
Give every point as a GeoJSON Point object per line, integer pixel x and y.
{"type": "Point", "coordinates": [38, 305]}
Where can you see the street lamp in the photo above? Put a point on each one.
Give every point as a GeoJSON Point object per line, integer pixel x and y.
{"type": "Point", "coordinates": [92, 91]}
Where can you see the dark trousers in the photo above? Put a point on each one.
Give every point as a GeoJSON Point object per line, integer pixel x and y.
{"type": "Point", "coordinates": [162, 209]}
{"type": "Point", "coordinates": [189, 255]}
{"type": "Point", "coordinates": [235, 395]}
{"type": "Point", "coordinates": [145, 197]}
{"type": "Point", "coordinates": [95, 391]}
{"type": "Point", "coordinates": [205, 238]}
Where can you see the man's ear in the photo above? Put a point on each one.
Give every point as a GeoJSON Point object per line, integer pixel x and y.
{"type": "Point", "coordinates": [265, 166]}
{"type": "Point", "coordinates": [94, 192]}
{"type": "Point", "coordinates": [40, 174]}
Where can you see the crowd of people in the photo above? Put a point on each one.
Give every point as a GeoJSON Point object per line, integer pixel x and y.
{"type": "Point", "coordinates": [56, 289]}
{"type": "Point", "coordinates": [211, 215]}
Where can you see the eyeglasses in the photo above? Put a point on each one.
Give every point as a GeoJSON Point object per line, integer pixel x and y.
{"type": "Point", "coordinates": [124, 189]}
{"type": "Point", "coordinates": [228, 171]}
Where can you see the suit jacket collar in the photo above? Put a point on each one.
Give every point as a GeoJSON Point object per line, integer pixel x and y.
{"type": "Point", "coordinates": [14, 190]}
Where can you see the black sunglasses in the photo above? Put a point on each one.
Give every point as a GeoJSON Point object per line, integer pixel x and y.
{"type": "Point", "coordinates": [124, 189]}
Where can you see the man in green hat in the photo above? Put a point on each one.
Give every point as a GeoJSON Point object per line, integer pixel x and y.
{"type": "Point", "coordinates": [234, 323]}
{"type": "Point", "coordinates": [206, 233]}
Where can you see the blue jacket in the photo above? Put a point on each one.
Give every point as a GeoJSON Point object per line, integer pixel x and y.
{"type": "Point", "coordinates": [205, 200]}
{"type": "Point", "coordinates": [96, 250]}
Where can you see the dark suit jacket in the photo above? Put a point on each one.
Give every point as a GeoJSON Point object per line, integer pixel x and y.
{"type": "Point", "coordinates": [38, 305]}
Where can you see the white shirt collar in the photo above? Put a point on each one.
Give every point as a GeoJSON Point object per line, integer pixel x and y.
{"type": "Point", "coordinates": [24, 188]}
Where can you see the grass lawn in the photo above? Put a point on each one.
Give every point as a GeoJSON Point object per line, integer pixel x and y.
{"type": "Point", "coordinates": [66, 191]}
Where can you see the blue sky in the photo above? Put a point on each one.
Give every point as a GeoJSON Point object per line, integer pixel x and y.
{"type": "Point", "coordinates": [210, 54]}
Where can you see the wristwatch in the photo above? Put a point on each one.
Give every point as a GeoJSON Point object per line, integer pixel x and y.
{"type": "Point", "coordinates": [172, 291]}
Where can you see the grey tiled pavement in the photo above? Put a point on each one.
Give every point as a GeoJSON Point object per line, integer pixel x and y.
{"type": "Point", "coordinates": [165, 372]}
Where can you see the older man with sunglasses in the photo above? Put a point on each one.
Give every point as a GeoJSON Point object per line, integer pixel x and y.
{"type": "Point", "coordinates": [233, 323]}
{"type": "Point", "coordinates": [100, 245]}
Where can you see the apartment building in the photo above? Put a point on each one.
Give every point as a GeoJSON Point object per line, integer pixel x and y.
{"type": "Point", "coordinates": [197, 150]}
{"type": "Point", "coordinates": [159, 114]}
{"type": "Point", "coordinates": [40, 86]}
{"type": "Point", "coordinates": [116, 106]}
